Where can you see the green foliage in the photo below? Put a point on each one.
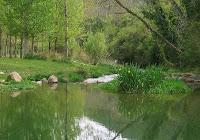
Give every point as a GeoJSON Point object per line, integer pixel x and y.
{"type": "Point", "coordinates": [74, 17]}
{"type": "Point", "coordinates": [171, 87]}
{"type": "Point", "coordinates": [191, 44]}
{"type": "Point", "coordinates": [129, 41]}
{"type": "Point", "coordinates": [192, 8]}
{"type": "Point", "coordinates": [133, 79]}
{"type": "Point", "coordinates": [95, 25]}
{"type": "Point", "coordinates": [95, 47]}
{"type": "Point", "coordinates": [38, 77]}
{"type": "Point", "coordinates": [167, 24]}
{"type": "Point", "coordinates": [75, 77]}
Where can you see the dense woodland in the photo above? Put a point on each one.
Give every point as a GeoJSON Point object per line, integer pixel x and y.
{"type": "Point", "coordinates": [143, 32]}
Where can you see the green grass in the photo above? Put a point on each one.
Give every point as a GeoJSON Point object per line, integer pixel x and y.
{"type": "Point", "coordinates": [171, 87]}
{"type": "Point", "coordinates": [13, 86]}
{"type": "Point", "coordinates": [111, 86]}
{"type": "Point", "coordinates": [38, 68]}
{"type": "Point", "coordinates": [35, 70]}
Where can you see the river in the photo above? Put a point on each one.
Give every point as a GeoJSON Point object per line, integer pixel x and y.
{"type": "Point", "coordinates": [78, 112]}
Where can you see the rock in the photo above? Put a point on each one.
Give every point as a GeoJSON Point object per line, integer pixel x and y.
{"type": "Point", "coordinates": [15, 94]}
{"type": "Point", "coordinates": [44, 81]}
{"type": "Point", "coordinates": [14, 76]}
{"type": "Point", "coordinates": [2, 81]}
{"type": "Point", "coordinates": [39, 83]}
{"type": "Point", "coordinates": [53, 86]}
{"type": "Point", "coordinates": [104, 79]}
{"type": "Point", "coordinates": [187, 75]}
{"type": "Point", "coordinates": [2, 73]}
{"type": "Point", "coordinates": [52, 79]}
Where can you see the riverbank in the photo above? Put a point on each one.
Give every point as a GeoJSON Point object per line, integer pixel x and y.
{"type": "Point", "coordinates": [36, 70]}
{"type": "Point", "coordinates": [150, 80]}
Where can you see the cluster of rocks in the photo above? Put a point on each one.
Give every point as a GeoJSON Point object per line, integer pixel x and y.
{"type": "Point", "coordinates": [51, 80]}
{"type": "Point", "coordinates": [14, 76]}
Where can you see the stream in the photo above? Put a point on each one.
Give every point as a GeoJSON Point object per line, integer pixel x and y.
{"type": "Point", "coordinates": [78, 112]}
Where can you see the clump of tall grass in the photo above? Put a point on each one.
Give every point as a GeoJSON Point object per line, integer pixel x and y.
{"type": "Point", "coordinates": [133, 79]}
{"type": "Point", "coordinates": [153, 80]}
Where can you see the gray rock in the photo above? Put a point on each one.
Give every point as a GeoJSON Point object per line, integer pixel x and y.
{"type": "Point", "coordinates": [104, 79]}
{"type": "Point", "coordinates": [2, 73]}
{"type": "Point", "coordinates": [2, 81]}
{"type": "Point", "coordinates": [15, 94]}
{"type": "Point", "coordinates": [44, 81]}
{"type": "Point", "coordinates": [53, 86]}
{"type": "Point", "coordinates": [52, 79]}
{"type": "Point", "coordinates": [14, 76]}
{"type": "Point", "coordinates": [39, 83]}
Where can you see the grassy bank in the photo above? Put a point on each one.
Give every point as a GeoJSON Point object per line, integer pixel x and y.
{"type": "Point", "coordinates": [35, 70]}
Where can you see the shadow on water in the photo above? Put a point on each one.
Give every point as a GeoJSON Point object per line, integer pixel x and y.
{"type": "Point", "coordinates": [79, 112]}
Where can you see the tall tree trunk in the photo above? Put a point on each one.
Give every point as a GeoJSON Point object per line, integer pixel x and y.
{"type": "Point", "coordinates": [25, 33]}
{"type": "Point", "coordinates": [42, 47]}
{"type": "Point", "coordinates": [15, 52]}
{"type": "Point", "coordinates": [21, 47]}
{"type": "Point", "coordinates": [0, 42]}
{"type": "Point", "coordinates": [32, 44]}
{"type": "Point", "coordinates": [25, 45]}
{"type": "Point", "coordinates": [10, 46]}
{"type": "Point", "coordinates": [55, 44]}
{"type": "Point", "coordinates": [49, 47]}
{"type": "Point", "coordinates": [66, 30]}
{"type": "Point", "coordinates": [6, 47]}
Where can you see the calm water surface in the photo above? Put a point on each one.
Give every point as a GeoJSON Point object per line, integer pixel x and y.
{"type": "Point", "coordinates": [84, 113]}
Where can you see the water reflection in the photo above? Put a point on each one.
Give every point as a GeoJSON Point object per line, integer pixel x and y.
{"type": "Point", "coordinates": [85, 113]}
{"type": "Point", "coordinates": [162, 118]}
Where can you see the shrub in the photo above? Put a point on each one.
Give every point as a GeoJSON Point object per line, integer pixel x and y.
{"type": "Point", "coordinates": [38, 77]}
{"type": "Point", "coordinates": [133, 79]}
{"type": "Point", "coordinates": [35, 57]}
{"type": "Point", "coordinates": [75, 77]}
{"type": "Point", "coordinates": [95, 47]}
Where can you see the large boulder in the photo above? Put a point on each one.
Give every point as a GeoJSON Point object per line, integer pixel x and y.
{"type": "Point", "coordinates": [52, 79]}
{"type": "Point", "coordinates": [14, 76]}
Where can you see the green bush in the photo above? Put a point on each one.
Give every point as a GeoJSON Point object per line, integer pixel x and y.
{"type": "Point", "coordinates": [75, 77]}
{"type": "Point", "coordinates": [38, 77]}
{"type": "Point", "coordinates": [95, 47]}
{"type": "Point", "coordinates": [35, 57]}
{"type": "Point", "coordinates": [133, 79]}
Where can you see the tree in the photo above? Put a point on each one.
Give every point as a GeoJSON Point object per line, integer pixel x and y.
{"type": "Point", "coordinates": [95, 47]}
